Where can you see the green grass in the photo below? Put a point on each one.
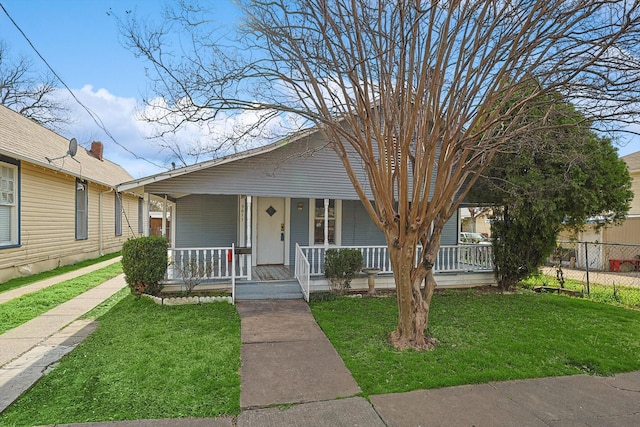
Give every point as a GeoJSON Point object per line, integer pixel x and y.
{"type": "Point", "coordinates": [27, 280]}
{"type": "Point", "coordinates": [106, 305]}
{"type": "Point", "coordinates": [626, 296]}
{"type": "Point", "coordinates": [145, 361]}
{"type": "Point", "coordinates": [22, 309]}
{"type": "Point", "coordinates": [482, 337]}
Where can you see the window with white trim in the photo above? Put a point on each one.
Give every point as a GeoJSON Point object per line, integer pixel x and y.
{"type": "Point", "coordinates": [118, 213]}
{"type": "Point", "coordinates": [325, 221]}
{"type": "Point", "coordinates": [9, 203]}
{"type": "Point", "coordinates": [82, 209]}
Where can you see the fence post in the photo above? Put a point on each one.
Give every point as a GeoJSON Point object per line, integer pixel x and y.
{"type": "Point", "coordinates": [586, 264]}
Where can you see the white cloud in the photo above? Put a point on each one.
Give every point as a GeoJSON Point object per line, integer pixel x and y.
{"type": "Point", "coordinates": [117, 116]}
{"type": "Point", "coordinates": [122, 119]}
{"type": "Point", "coordinates": [120, 116]}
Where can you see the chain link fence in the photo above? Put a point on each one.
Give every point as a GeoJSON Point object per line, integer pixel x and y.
{"type": "Point", "coordinates": [597, 263]}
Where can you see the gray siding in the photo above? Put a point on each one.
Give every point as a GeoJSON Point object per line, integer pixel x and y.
{"type": "Point", "coordinates": [359, 229]}
{"type": "Point", "coordinates": [357, 226]}
{"type": "Point", "coordinates": [450, 232]}
{"type": "Point", "coordinates": [306, 169]}
{"type": "Point", "coordinates": [206, 221]}
{"type": "Point", "coordinates": [299, 227]}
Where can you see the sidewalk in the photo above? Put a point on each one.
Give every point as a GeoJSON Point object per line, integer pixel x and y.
{"type": "Point", "coordinates": [18, 292]}
{"type": "Point", "coordinates": [292, 376]}
{"type": "Point", "coordinates": [29, 349]}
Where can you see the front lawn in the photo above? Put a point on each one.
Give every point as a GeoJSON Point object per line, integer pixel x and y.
{"type": "Point", "coordinates": [145, 361]}
{"type": "Point", "coordinates": [484, 336]}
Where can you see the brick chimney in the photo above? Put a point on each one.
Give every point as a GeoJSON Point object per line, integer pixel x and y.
{"type": "Point", "coordinates": [96, 150]}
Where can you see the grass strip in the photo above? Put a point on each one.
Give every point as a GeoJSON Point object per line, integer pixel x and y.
{"type": "Point", "coordinates": [620, 295]}
{"type": "Point", "coordinates": [483, 336]}
{"type": "Point", "coordinates": [106, 305]}
{"type": "Point", "coordinates": [27, 280]}
{"type": "Point", "coordinates": [22, 309]}
{"type": "Point", "coordinates": [145, 361]}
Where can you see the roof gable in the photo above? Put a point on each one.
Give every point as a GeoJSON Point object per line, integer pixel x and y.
{"type": "Point", "coordinates": [172, 174]}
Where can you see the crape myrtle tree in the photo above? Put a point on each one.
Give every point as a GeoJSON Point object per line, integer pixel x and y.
{"type": "Point", "coordinates": [542, 182]}
{"type": "Point", "coordinates": [415, 93]}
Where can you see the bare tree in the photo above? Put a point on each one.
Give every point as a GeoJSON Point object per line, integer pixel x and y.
{"type": "Point", "coordinates": [29, 93]}
{"type": "Point", "coordinates": [421, 94]}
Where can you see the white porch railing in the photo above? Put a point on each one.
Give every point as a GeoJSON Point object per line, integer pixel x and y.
{"type": "Point", "coordinates": [208, 264]}
{"type": "Point", "coordinates": [302, 272]}
{"type": "Point", "coordinates": [470, 258]}
{"type": "Point", "coordinates": [458, 258]}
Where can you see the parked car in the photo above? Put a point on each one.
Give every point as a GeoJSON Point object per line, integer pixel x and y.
{"type": "Point", "coordinates": [473, 238]}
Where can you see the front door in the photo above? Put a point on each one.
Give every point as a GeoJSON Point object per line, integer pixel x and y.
{"type": "Point", "coordinates": [270, 230]}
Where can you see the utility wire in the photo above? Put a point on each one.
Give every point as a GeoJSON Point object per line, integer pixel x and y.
{"type": "Point", "coordinates": [96, 119]}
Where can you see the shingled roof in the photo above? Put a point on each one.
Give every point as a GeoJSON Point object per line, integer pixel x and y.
{"type": "Point", "coordinates": [24, 139]}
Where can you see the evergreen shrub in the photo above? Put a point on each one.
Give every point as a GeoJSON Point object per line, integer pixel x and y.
{"type": "Point", "coordinates": [341, 266]}
{"type": "Point", "coordinates": [144, 262]}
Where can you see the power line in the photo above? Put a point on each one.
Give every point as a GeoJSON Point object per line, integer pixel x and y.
{"type": "Point", "coordinates": [96, 119]}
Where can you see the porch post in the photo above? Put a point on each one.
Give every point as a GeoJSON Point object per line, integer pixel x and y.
{"type": "Point", "coordinates": [163, 233]}
{"type": "Point", "coordinates": [326, 223]}
{"type": "Point", "coordinates": [145, 215]}
{"type": "Point", "coordinates": [248, 222]}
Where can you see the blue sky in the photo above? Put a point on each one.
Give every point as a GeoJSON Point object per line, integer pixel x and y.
{"type": "Point", "coordinates": [82, 44]}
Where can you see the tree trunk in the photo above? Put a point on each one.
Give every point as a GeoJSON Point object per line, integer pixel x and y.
{"type": "Point", "coordinates": [413, 308]}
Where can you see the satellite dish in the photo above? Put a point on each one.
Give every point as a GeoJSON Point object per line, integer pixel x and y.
{"type": "Point", "coordinates": [73, 147]}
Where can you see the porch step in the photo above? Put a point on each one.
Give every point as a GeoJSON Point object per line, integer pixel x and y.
{"type": "Point", "coordinates": [275, 289]}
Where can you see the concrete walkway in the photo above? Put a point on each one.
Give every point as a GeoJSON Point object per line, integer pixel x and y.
{"type": "Point", "coordinates": [292, 376]}
{"type": "Point", "coordinates": [286, 358]}
{"type": "Point", "coordinates": [28, 350]}
{"type": "Point", "coordinates": [18, 292]}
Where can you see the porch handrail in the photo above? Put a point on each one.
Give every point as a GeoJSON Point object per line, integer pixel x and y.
{"type": "Point", "coordinates": [302, 268]}
{"type": "Point", "coordinates": [451, 258]}
{"type": "Point", "coordinates": [216, 263]}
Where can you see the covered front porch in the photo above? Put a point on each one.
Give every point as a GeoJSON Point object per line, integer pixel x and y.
{"type": "Point", "coordinates": [229, 267]}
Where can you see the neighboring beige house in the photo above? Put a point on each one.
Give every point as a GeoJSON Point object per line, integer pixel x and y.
{"type": "Point", "coordinates": [629, 231]}
{"type": "Point", "coordinates": [57, 209]}
{"type": "Point", "coordinates": [476, 220]}
{"type": "Point", "coordinates": [610, 257]}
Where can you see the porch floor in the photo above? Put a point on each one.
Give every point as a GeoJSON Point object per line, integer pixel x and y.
{"type": "Point", "coordinates": [265, 273]}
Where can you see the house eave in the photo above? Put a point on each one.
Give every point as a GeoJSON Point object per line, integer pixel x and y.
{"type": "Point", "coordinates": [215, 162]}
{"type": "Point", "coordinates": [54, 168]}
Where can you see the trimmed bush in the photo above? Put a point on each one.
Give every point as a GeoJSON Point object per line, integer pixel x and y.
{"type": "Point", "coordinates": [341, 266]}
{"type": "Point", "coordinates": [144, 262]}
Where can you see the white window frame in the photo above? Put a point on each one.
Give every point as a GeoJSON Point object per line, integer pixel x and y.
{"type": "Point", "coordinates": [337, 233]}
{"type": "Point", "coordinates": [118, 213]}
{"type": "Point", "coordinates": [82, 228]}
{"type": "Point", "coordinates": [10, 196]}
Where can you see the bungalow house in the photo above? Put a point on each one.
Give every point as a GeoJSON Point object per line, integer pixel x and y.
{"type": "Point", "coordinates": [58, 202]}
{"type": "Point", "coordinates": [274, 210]}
